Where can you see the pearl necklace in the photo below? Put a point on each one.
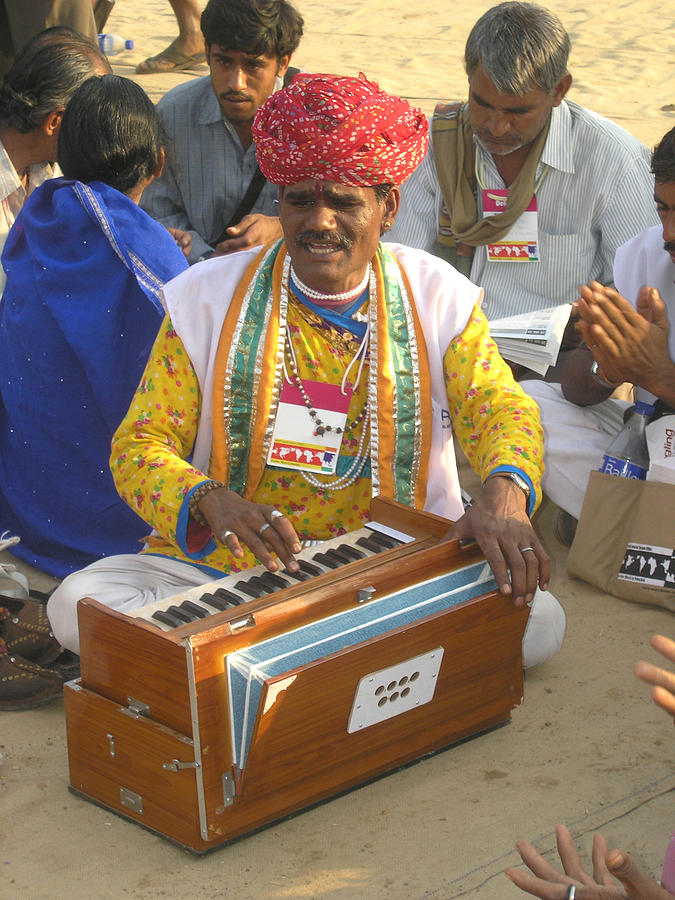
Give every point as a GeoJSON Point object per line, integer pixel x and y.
{"type": "Point", "coordinates": [353, 473]}
{"type": "Point", "coordinates": [322, 297]}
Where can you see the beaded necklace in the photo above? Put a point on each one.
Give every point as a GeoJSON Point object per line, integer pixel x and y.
{"type": "Point", "coordinates": [291, 373]}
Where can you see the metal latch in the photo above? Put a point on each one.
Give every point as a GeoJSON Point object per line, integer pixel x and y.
{"type": "Point", "coordinates": [176, 765]}
{"type": "Point", "coordinates": [240, 624]}
{"type": "Point", "coordinates": [365, 594]}
{"type": "Point", "coordinates": [135, 708]}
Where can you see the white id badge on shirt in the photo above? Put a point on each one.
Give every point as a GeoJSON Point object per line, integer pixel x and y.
{"type": "Point", "coordinates": [519, 244]}
{"type": "Point", "coordinates": [294, 444]}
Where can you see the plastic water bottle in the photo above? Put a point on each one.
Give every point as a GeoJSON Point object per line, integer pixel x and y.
{"type": "Point", "coordinates": [110, 44]}
{"type": "Point", "coordinates": [627, 455]}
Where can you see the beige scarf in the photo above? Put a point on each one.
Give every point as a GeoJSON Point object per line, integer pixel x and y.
{"type": "Point", "coordinates": [459, 229]}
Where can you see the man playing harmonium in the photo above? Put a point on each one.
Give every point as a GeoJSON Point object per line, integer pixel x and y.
{"type": "Point", "coordinates": [288, 385]}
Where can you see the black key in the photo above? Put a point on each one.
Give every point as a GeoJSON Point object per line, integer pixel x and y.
{"type": "Point", "coordinates": [384, 539]}
{"type": "Point", "coordinates": [162, 615]}
{"type": "Point", "coordinates": [228, 597]}
{"type": "Point", "coordinates": [216, 602]}
{"type": "Point", "coordinates": [195, 609]}
{"type": "Point", "coordinates": [181, 613]}
{"type": "Point", "coordinates": [326, 561]}
{"type": "Point", "coordinates": [368, 544]}
{"type": "Point", "coordinates": [251, 588]}
{"type": "Point", "coordinates": [261, 582]}
{"type": "Point", "coordinates": [299, 575]}
{"type": "Point", "coordinates": [348, 550]}
{"type": "Point", "coordinates": [341, 558]}
{"type": "Point", "coordinates": [276, 582]}
{"type": "Point", "coordinates": [309, 568]}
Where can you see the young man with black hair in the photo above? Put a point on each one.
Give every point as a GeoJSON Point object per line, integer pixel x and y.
{"type": "Point", "coordinates": [211, 185]}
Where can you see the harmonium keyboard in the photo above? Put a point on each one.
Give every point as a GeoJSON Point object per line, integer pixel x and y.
{"type": "Point", "coordinates": [227, 707]}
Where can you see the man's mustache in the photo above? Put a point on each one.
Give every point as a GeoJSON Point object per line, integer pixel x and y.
{"type": "Point", "coordinates": [334, 238]}
{"type": "Point", "coordinates": [235, 97]}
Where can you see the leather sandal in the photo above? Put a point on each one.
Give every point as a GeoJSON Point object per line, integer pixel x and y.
{"type": "Point", "coordinates": [171, 59]}
{"type": "Point", "coordinates": [23, 685]}
{"type": "Point", "coordinates": [27, 631]}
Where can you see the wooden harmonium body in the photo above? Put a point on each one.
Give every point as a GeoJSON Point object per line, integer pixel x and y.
{"type": "Point", "coordinates": [206, 730]}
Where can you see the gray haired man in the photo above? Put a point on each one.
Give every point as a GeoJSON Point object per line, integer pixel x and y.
{"type": "Point", "coordinates": [525, 191]}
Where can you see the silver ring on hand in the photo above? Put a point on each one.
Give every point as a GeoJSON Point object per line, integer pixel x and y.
{"type": "Point", "coordinates": [524, 550]}
{"type": "Point", "coordinates": [571, 892]}
{"type": "Point", "coordinates": [225, 535]}
{"type": "Point", "coordinates": [277, 514]}
{"type": "Point", "coordinates": [266, 525]}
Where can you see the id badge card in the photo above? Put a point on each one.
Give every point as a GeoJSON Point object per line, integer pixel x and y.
{"type": "Point", "coordinates": [294, 443]}
{"type": "Point", "coordinates": [520, 243]}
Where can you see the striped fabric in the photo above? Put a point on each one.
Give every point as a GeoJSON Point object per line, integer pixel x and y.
{"type": "Point", "coordinates": [596, 195]}
{"type": "Point", "coordinates": [207, 171]}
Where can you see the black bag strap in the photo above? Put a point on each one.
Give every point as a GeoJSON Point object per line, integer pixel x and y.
{"type": "Point", "coordinates": [247, 202]}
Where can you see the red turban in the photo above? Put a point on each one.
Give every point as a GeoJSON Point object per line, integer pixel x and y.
{"type": "Point", "coordinates": [334, 128]}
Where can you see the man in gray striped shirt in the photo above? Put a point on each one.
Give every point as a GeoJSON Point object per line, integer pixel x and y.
{"type": "Point", "coordinates": [590, 178]}
{"type": "Point", "coordinates": [211, 186]}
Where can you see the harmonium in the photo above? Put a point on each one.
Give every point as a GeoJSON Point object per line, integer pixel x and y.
{"type": "Point", "coordinates": [235, 704]}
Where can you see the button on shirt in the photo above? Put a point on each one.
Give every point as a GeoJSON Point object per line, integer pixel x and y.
{"type": "Point", "coordinates": [207, 172]}
{"type": "Point", "coordinates": [13, 194]}
{"type": "Point", "coordinates": [595, 195]}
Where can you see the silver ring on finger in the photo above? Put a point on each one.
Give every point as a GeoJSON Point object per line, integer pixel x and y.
{"type": "Point", "coordinates": [277, 514]}
{"type": "Point", "coordinates": [571, 892]}
{"type": "Point", "coordinates": [224, 535]}
{"type": "Point", "coordinates": [265, 526]}
{"type": "Point", "coordinates": [532, 550]}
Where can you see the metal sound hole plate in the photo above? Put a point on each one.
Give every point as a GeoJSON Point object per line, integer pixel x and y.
{"type": "Point", "coordinates": [389, 692]}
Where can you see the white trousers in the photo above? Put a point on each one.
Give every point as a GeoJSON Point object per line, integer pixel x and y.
{"type": "Point", "coordinates": [128, 581]}
{"type": "Point", "coordinates": [576, 438]}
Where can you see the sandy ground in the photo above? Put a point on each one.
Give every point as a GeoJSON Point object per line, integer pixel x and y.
{"type": "Point", "coordinates": [586, 747]}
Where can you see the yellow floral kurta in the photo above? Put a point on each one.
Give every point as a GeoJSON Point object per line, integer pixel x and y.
{"type": "Point", "coordinates": [496, 423]}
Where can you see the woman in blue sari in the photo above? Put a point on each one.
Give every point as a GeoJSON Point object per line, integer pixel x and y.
{"type": "Point", "coordinates": [79, 314]}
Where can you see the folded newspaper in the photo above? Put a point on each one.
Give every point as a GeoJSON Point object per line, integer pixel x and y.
{"type": "Point", "coordinates": [532, 339]}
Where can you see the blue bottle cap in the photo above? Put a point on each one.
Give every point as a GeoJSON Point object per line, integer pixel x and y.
{"type": "Point", "coordinates": [645, 409]}
{"type": "Point", "coordinates": [128, 45]}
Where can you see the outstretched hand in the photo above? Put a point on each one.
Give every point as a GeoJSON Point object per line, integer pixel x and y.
{"type": "Point", "coordinates": [615, 875]}
{"type": "Point", "coordinates": [183, 240]}
{"type": "Point", "coordinates": [254, 229]}
{"type": "Point", "coordinates": [234, 520]}
{"type": "Point", "coordinates": [499, 524]}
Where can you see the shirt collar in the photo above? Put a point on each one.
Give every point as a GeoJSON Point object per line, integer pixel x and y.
{"type": "Point", "coordinates": [558, 153]}
{"type": "Point", "coordinates": [9, 180]}
{"type": "Point", "coordinates": [210, 108]}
